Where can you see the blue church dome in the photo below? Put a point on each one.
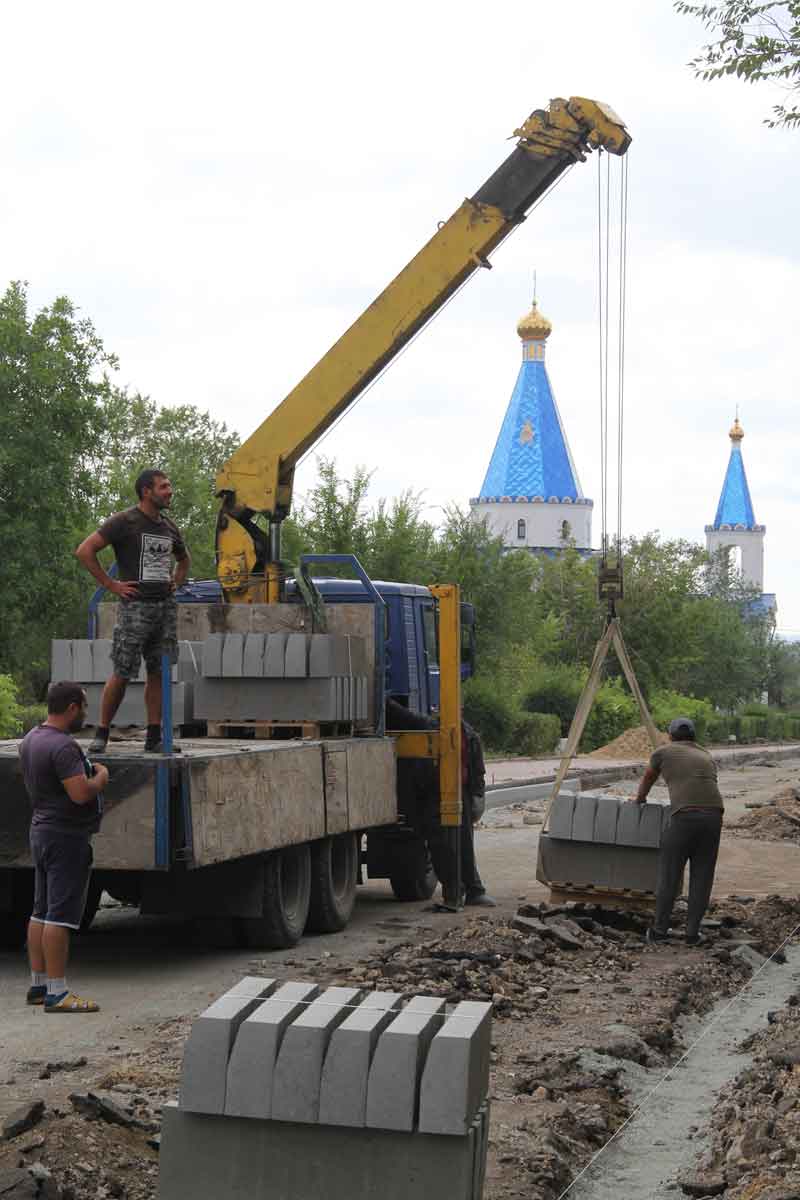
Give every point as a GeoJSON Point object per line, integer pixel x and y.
{"type": "Point", "coordinates": [735, 508]}
{"type": "Point", "coordinates": [531, 459]}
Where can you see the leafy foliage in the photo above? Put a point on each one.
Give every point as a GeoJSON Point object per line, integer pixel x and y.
{"type": "Point", "coordinates": [53, 389]}
{"type": "Point", "coordinates": [10, 711]}
{"type": "Point", "coordinates": [754, 41]}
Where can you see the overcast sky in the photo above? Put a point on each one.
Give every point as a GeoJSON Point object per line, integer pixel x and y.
{"type": "Point", "coordinates": [223, 189]}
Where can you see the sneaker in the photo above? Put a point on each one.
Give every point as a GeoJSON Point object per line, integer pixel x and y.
{"type": "Point", "coordinates": [98, 745]}
{"type": "Point", "coordinates": [479, 900]}
{"type": "Point", "coordinates": [36, 994]}
{"type": "Point", "coordinates": [695, 939]}
{"type": "Point", "coordinates": [652, 935]}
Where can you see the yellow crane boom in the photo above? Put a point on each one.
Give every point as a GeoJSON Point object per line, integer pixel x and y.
{"type": "Point", "coordinates": [258, 478]}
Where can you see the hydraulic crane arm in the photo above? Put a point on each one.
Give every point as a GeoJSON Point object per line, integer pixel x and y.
{"type": "Point", "coordinates": [258, 477]}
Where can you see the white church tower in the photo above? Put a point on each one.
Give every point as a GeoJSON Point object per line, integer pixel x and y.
{"type": "Point", "coordinates": [531, 495]}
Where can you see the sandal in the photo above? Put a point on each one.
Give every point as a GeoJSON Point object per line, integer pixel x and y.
{"type": "Point", "coordinates": [70, 1003]}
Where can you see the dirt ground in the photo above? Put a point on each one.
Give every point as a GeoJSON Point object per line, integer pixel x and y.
{"type": "Point", "coordinates": [586, 1017]}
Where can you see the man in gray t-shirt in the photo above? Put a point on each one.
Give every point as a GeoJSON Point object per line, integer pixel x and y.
{"type": "Point", "coordinates": [66, 794]}
{"type": "Point", "coordinates": [694, 830]}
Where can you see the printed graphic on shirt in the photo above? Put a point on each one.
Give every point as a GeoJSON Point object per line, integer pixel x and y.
{"type": "Point", "coordinates": [155, 564]}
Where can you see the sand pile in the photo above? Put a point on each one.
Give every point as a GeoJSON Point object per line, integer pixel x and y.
{"type": "Point", "coordinates": [633, 744]}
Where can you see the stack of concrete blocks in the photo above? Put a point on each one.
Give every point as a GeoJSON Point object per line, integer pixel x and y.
{"type": "Point", "coordinates": [282, 677]}
{"type": "Point", "coordinates": [289, 1092]}
{"type": "Point", "coordinates": [601, 842]}
{"type": "Point", "coordinates": [89, 662]}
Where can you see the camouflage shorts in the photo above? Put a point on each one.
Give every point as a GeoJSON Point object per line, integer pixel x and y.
{"type": "Point", "coordinates": [145, 628]}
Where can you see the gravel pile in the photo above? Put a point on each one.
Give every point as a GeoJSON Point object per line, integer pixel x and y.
{"type": "Point", "coordinates": [634, 744]}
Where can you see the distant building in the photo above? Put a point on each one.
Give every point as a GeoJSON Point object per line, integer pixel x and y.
{"type": "Point", "coordinates": [735, 526]}
{"type": "Point", "coordinates": [531, 496]}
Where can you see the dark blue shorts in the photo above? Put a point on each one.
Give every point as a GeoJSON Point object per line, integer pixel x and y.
{"type": "Point", "coordinates": [62, 865]}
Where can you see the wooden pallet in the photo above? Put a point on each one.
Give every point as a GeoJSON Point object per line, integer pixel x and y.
{"type": "Point", "coordinates": [279, 730]}
{"type": "Point", "coordinates": [619, 898]}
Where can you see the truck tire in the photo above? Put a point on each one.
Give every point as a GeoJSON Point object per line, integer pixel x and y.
{"type": "Point", "coordinates": [334, 878]}
{"type": "Point", "coordinates": [92, 903]}
{"type": "Point", "coordinates": [412, 876]}
{"type": "Point", "coordinates": [13, 928]}
{"type": "Point", "coordinates": [287, 896]}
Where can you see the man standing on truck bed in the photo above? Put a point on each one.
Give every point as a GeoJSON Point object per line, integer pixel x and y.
{"type": "Point", "coordinates": [694, 829]}
{"type": "Point", "coordinates": [144, 540]}
{"type": "Point", "coordinates": [65, 790]}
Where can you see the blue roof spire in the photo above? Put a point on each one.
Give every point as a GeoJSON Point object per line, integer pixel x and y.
{"type": "Point", "coordinates": [531, 458]}
{"type": "Point", "coordinates": [735, 507]}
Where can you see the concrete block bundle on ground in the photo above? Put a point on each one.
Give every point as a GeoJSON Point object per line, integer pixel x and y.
{"type": "Point", "coordinates": [293, 1092]}
{"type": "Point", "coordinates": [282, 677]}
{"type": "Point", "coordinates": [88, 662]}
{"type": "Point", "coordinates": [603, 842]}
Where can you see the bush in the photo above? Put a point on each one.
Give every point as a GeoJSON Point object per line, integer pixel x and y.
{"type": "Point", "coordinates": [556, 690]}
{"type": "Point", "coordinates": [665, 705]}
{"type": "Point", "coordinates": [31, 715]}
{"type": "Point", "coordinates": [535, 733]}
{"type": "Point", "coordinates": [9, 707]}
{"type": "Point", "coordinates": [719, 729]}
{"type": "Point", "coordinates": [614, 710]}
{"type": "Point", "coordinates": [490, 712]}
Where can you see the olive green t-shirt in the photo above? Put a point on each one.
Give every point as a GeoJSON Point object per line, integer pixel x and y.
{"type": "Point", "coordinates": [690, 774]}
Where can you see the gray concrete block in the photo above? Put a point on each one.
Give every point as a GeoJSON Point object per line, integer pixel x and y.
{"type": "Point", "coordinates": [61, 668]}
{"type": "Point", "coordinates": [628, 821]}
{"type": "Point", "coordinates": [298, 1070]}
{"type": "Point", "coordinates": [588, 864]}
{"type": "Point", "coordinates": [132, 711]}
{"type": "Point", "coordinates": [650, 825]}
{"type": "Point", "coordinates": [397, 1063]}
{"type": "Point", "coordinates": [345, 1075]}
{"type": "Point", "coordinates": [296, 660]}
{"type": "Point", "coordinates": [82, 661]}
{"type": "Point", "coordinates": [357, 658]}
{"type": "Point", "coordinates": [251, 1067]}
{"type": "Point", "coordinates": [212, 1157]}
{"type": "Point", "coordinates": [275, 655]}
{"type": "Point", "coordinates": [322, 658]}
{"type": "Point", "coordinates": [253, 658]}
{"type": "Point", "coordinates": [583, 818]}
{"type": "Point", "coordinates": [233, 656]}
{"type": "Point", "coordinates": [456, 1075]}
{"type": "Point", "coordinates": [101, 659]}
{"type": "Point", "coordinates": [265, 700]}
{"type": "Point", "coordinates": [205, 1056]}
{"type": "Point", "coordinates": [606, 818]}
{"type": "Point", "coordinates": [253, 986]}
{"type": "Point", "coordinates": [212, 655]}
{"type": "Point", "coordinates": [560, 824]}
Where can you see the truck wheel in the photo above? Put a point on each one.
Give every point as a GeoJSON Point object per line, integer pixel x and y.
{"type": "Point", "coordinates": [13, 928]}
{"type": "Point", "coordinates": [412, 876]}
{"type": "Point", "coordinates": [92, 903]}
{"type": "Point", "coordinates": [334, 878]}
{"type": "Point", "coordinates": [287, 895]}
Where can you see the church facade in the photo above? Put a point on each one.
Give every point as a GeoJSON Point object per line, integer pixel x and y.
{"type": "Point", "coordinates": [531, 495]}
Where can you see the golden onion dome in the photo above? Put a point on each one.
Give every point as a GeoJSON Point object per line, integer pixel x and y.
{"type": "Point", "coordinates": [534, 326]}
{"type": "Point", "coordinates": [736, 433]}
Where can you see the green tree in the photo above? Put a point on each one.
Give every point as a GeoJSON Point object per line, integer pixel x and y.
{"type": "Point", "coordinates": [185, 443]}
{"type": "Point", "coordinates": [53, 388]}
{"type": "Point", "coordinates": [754, 41]}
